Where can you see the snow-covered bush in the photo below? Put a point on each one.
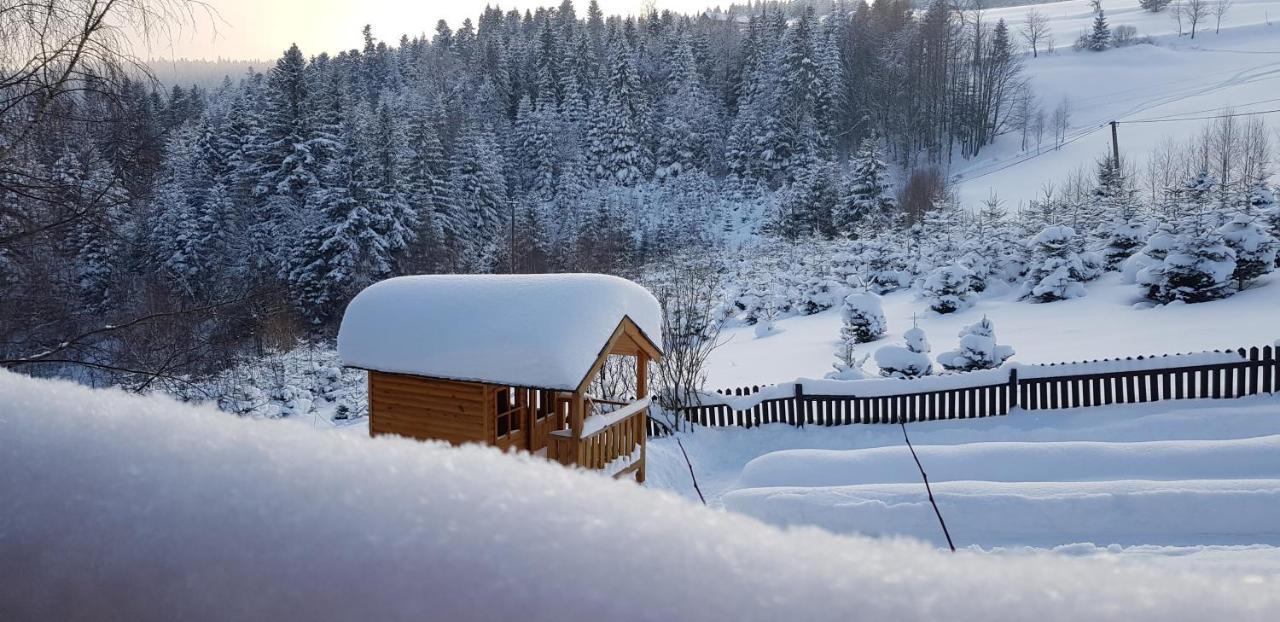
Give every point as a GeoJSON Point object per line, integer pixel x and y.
{"type": "Point", "coordinates": [948, 289]}
{"type": "Point", "coordinates": [1255, 249]}
{"type": "Point", "coordinates": [978, 349]}
{"type": "Point", "coordinates": [909, 361]}
{"type": "Point", "coordinates": [863, 318]}
{"type": "Point", "coordinates": [1198, 268]}
{"type": "Point", "coordinates": [1057, 271]}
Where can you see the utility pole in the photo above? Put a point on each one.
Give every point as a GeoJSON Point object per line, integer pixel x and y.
{"type": "Point", "coordinates": [1115, 145]}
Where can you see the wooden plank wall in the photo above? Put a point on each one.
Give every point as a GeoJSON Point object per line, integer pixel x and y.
{"type": "Point", "coordinates": [429, 409]}
{"type": "Point", "coordinates": [1259, 373]}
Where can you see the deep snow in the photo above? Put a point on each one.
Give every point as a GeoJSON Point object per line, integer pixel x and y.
{"type": "Point", "coordinates": [1184, 483]}
{"type": "Point", "coordinates": [143, 508]}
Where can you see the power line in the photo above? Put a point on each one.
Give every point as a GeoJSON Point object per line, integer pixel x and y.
{"type": "Point", "coordinates": [1219, 108]}
{"type": "Point", "coordinates": [1033, 156]}
{"type": "Point", "coordinates": [1220, 116]}
{"type": "Point", "coordinates": [962, 178]}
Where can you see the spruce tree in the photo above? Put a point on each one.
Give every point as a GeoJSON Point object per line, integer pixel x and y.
{"type": "Point", "coordinates": [868, 200]}
{"type": "Point", "coordinates": [863, 318]}
{"type": "Point", "coordinates": [1255, 249]}
{"type": "Point", "coordinates": [978, 349]}
{"type": "Point", "coordinates": [1057, 271]}
{"type": "Point", "coordinates": [1099, 37]}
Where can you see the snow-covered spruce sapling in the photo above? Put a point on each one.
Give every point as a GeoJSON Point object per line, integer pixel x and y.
{"type": "Point", "coordinates": [1198, 268]}
{"type": "Point", "coordinates": [1255, 249]}
{"type": "Point", "coordinates": [909, 361]}
{"type": "Point", "coordinates": [1121, 240]}
{"type": "Point", "coordinates": [863, 318]}
{"type": "Point", "coordinates": [948, 289]}
{"type": "Point", "coordinates": [767, 311]}
{"type": "Point", "coordinates": [1057, 271]}
{"type": "Point", "coordinates": [848, 365]}
{"type": "Point", "coordinates": [978, 349]}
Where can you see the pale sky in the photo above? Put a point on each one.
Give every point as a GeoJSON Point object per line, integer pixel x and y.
{"type": "Point", "coordinates": [262, 29]}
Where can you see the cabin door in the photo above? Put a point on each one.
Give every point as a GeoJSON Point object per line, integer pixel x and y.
{"type": "Point", "coordinates": [550, 410]}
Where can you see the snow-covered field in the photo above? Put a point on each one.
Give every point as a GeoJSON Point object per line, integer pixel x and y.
{"type": "Point", "coordinates": [1187, 483]}
{"type": "Point", "coordinates": [140, 508]}
{"type": "Point", "coordinates": [1237, 68]}
{"type": "Point", "coordinates": [1104, 324]}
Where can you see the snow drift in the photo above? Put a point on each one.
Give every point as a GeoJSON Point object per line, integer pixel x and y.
{"type": "Point", "coordinates": [124, 507]}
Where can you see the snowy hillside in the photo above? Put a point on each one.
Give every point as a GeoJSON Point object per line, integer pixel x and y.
{"type": "Point", "coordinates": [149, 509]}
{"type": "Point", "coordinates": [1176, 81]}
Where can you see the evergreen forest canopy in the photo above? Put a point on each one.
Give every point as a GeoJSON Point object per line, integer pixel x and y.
{"type": "Point", "coordinates": [250, 213]}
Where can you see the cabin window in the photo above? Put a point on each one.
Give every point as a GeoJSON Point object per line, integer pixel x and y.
{"type": "Point", "coordinates": [509, 416]}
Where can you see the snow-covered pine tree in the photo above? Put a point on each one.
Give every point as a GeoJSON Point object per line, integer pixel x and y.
{"type": "Point", "coordinates": [1057, 271]}
{"type": "Point", "coordinates": [863, 318]}
{"type": "Point", "coordinates": [1198, 268]}
{"type": "Point", "coordinates": [480, 192]}
{"type": "Point", "coordinates": [909, 361]}
{"type": "Point", "coordinates": [948, 288]}
{"type": "Point", "coordinates": [1121, 238]}
{"type": "Point", "coordinates": [340, 250]}
{"type": "Point", "coordinates": [848, 365]}
{"type": "Point", "coordinates": [1155, 6]}
{"type": "Point", "coordinates": [978, 349]}
{"type": "Point", "coordinates": [867, 200]}
{"type": "Point", "coordinates": [90, 189]}
{"type": "Point", "coordinates": [616, 145]}
{"type": "Point", "coordinates": [1099, 37]}
{"type": "Point", "coordinates": [687, 132]}
{"type": "Point", "coordinates": [1254, 248]}
{"type": "Point", "coordinates": [806, 206]}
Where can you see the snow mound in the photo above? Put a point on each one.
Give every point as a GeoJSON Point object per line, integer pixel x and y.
{"type": "Point", "coordinates": [1021, 462]}
{"type": "Point", "coordinates": [143, 508]}
{"type": "Point", "coordinates": [1033, 513]}
{"type": "Point", "coordinates": [541, 330]}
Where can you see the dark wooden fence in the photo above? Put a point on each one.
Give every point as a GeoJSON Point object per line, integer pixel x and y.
{"type": "Point", "coordinates": [1132, 380]}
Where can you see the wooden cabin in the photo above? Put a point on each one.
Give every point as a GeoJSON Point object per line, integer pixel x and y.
{"type": "Point", "coordinates": [510, 361]}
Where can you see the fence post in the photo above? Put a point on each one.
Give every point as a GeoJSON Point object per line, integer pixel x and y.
{"type": "Point", "coordinates": [1013, 388]}
{"type": "Point", "coordinates": [802, 407]}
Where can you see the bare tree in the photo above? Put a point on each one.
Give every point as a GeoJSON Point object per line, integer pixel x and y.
{"type": "Point", "coordinates": [1035, 30]}
{"type": "Point", "coordinates": [1195, 12]}
{"type": "Point", "coordinates": [1061, 120]}
{"type": "Point", "coordinates": [1038, 127]}
{"type": "Point", "coordinates": [1219, 11]}
{"type": "Point", "coordinates": [691, 322]}
{"type": "Point", "coordinates": [1175, 14]}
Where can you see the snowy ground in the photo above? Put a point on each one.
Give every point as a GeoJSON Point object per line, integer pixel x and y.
{"type": "Point", "coordinates": [142, 508]}
{"type": "Point", "coordinates": [1188, 484]}
{"type": "Point", "coordinates": [1175, 78]}
{"type": "Point", "coordinates": [1105, 323]}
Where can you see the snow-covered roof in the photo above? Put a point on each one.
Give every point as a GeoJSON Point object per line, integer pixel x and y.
{"type": "Point", "coordinates": [544, 330]}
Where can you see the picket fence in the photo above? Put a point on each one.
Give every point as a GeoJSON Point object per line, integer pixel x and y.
{"type": "Point", "coordinates": [1219, 374]}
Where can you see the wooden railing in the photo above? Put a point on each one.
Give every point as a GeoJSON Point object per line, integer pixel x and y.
{"type": "Point", "coordinates": [612, 441]}
{"type": "Point", "coordinates": [1219, 374]}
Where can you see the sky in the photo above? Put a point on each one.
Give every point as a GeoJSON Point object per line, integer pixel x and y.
{"type": "Point", "coordinates": [262, 29]}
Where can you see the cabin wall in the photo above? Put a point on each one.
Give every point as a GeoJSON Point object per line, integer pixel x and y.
{"type": "Point", "coordinates": [429, 409]}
